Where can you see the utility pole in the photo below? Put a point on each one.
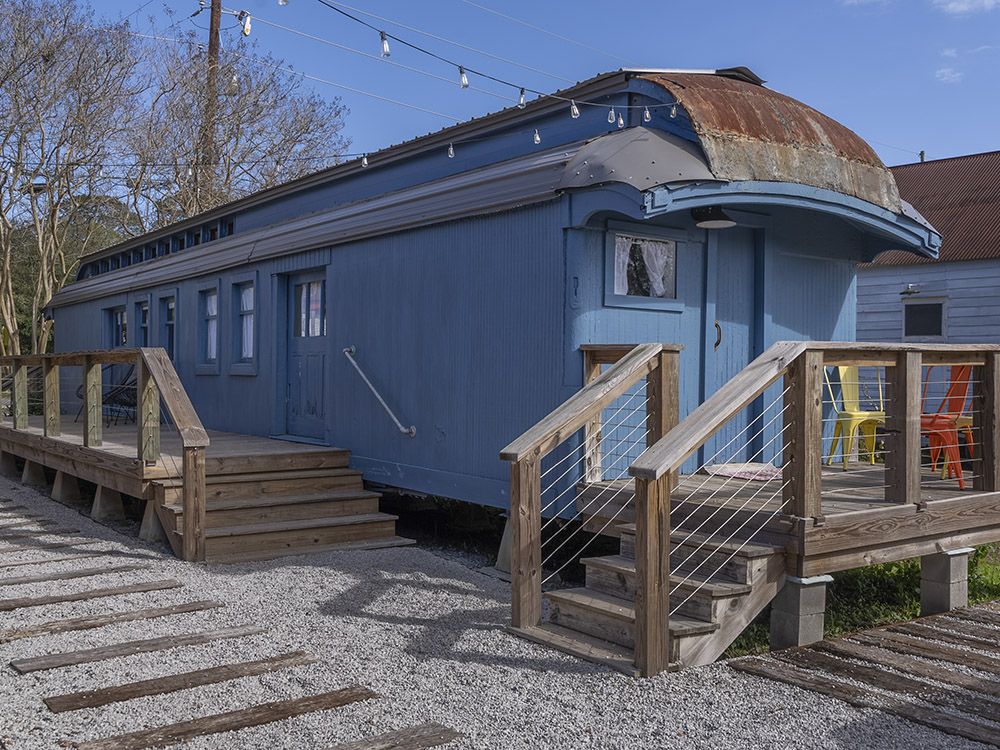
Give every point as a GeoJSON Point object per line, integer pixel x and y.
{"type": "Point", "coordinates": [205, 172]}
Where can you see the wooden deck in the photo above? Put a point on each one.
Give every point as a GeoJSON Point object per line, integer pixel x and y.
{"type": "Point", "coordinates": [906, 670]}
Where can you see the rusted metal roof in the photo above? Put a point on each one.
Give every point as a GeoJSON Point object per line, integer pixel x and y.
{"type": "Point", "coordinates": [961, 198]}
{"type": "Point", "coordinates": [750, 132]}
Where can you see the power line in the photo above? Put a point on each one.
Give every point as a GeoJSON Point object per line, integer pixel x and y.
{"type": "Point", "coordinates": [546, 31]}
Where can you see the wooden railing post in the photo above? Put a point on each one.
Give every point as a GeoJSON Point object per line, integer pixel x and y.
{"type": "Point", "coordinates": [592, 434]}
{"type": "Point", "coordinates": [148, 414]}
{"type": "Point", "coordinates": [93, 395]}
{"type": "Point", "coordinates": [526, 542]}
{"type": "Point", "coordinates": [902, 428]}
{"type": "Point", "coordinates": [51, 406]}
{"type": "Point", "coordinates": [663, 392]}
{"type": "Point", "coordinates": [652, 575]}
{"type": "Point", "coordinates": [19, 397]}
{"type": "Point", "coordinates": [986, 424]}
{"type": "Point", "coordinates": [803, 456]}
{"type": "Point", "coordinates": [193, 470]}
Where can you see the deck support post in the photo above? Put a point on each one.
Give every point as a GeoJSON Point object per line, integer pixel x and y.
{"type": "Point", "coordinates": [33, 475]}
{"type": "Point", "coordinates": [107, 505]}
{"type": "Point", "coordinates": [148, 414]}
{"type": "Point", "coordinates": [944, 581]}
{"type": "Point", "coordinates": [797, 612]}
{"type": "Point", "coordinates": [803, 458]}
{"type": "Point", "coordinates": [92, 406]}
{"type": "Point", "coordinates": [50, 399]}
{"type": "Point", "coordinates": [8, 465]}
{"type": "Point", "coordinates": [193, 502]}
{"type": "Point", "coordinates": [65, 488]}
{"type": "Point", "coordinates": [152, 530]}
{"type": "Point", "coordinates": [19, 398]}
{"type": "Point", "coordinates": [986, 424]}
{"type": "Point", "coordinates": [526, 542]}
{"type": "Point", "coordinates": [652, 575]}
{"type": "Point", "coordinates": [503, 552]}
{"type": "Point", "coordinates": [902, 428]}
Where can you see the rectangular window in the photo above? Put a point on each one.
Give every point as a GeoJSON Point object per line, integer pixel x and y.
{"type": "Point", "coordinates": [310, 309]}
{"type": "Point", "coordinates": [645, 267]}
{"type": "Point", "coordinates": [168, 321]}
{"type": "Point", "coordinates": [210, 325]}
{"type": "Point", "coordinates": [246, 310]}
{"type": "Point", "coordinates": [142, 324]}
{"type": "Point", "coordinates": [117, 327]}
{"type": "Point", "coordinates": [924, 320]}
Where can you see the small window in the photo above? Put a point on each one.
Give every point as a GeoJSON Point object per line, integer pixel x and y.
{"type": "Point", "coordinates": [168, 324]}
{"type": "Point", "coordinates": [117, 328]}
{"type": "Point", "coordinates": [923, 320]}
{"type": "Point", "coordinates": [245, 295]}
{"type": "Point", "coordinates": [209, 307]}
{"type": "Point", "coordinates": [142, 324]}
{"type": "Point", "coordinates": [645, 267]}
{"type": "Point", "coordinates": [310, 309]}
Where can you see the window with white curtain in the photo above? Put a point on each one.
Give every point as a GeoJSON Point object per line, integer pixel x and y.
{"type": "Point", "coordinates": [245, 293]}
{"type": "Point", "coordinates": [645, 267]}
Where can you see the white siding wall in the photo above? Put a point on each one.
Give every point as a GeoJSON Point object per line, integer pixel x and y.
{"type": "Point", "coordinates": [971, 288]}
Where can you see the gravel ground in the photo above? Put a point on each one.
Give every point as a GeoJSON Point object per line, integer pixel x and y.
{"type": "Point", "coordinates": [422, 630]}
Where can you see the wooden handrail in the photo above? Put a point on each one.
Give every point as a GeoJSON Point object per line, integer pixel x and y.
{"type": "Point", "coordinates": [581, 407]}
{"type": "Point", "coordinates": [175, 398]}
{"type": "Point", "coordinates": [681, 442]}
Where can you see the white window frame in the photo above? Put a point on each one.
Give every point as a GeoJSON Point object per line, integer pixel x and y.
{"type": "Point", "coordinates": [656, 234]}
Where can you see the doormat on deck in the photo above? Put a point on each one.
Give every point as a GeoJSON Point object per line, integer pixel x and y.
{"type": "Point", "coordinates": [755, 471]}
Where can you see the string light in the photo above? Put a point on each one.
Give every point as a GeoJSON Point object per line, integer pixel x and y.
{"type": "Point", "coordinates": [244, 19]}
{"type": "Point", "coordinates": [364, 161]}
{"type": "Point", "coordinates": [673, 111]}
{"type": "Point", "coordinates": [621, 121]}
{"type": "Point", "coordinates": [282, 2]}
{"type": "Point", "coordinates": [385, 45]}
{"type": "Point", "coordinates": [538, 138]}
{"type": "Point", "coordinates": [451, 151]}
{"type": "Point", "coordinates": [645, 114]}
{"type": "Point", "coordinates": [520, 102]}
{"type": "Point", "coordinates": [574, 111]}
{"type": "Point", "coordinates": [611, 115]}
{"type": "Point", "coordinates": [462, 78]}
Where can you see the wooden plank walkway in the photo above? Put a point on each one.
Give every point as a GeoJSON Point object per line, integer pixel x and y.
{"type": "Point", "coordinates": [897, 669]}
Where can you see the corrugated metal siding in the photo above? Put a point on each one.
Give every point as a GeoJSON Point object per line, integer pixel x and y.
{"type": "Point", "coordinates": [961, 198]}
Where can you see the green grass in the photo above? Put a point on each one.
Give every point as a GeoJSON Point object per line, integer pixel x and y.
{"type": "Point", "coordinates": [880, 595]}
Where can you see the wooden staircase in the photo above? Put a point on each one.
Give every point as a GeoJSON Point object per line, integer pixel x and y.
{"type": "Point", "coordinates": [597, 621]}
{"type": "Point", "coordinates": [271, 505]}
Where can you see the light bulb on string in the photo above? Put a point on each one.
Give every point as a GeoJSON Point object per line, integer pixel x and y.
{"type": "Point", "coordinates": [538, 138]}
{"type": "Point", "coordinates": [244, 19]}
{"type": "Point", "coordinates": [282, 2]}
{"type": "Point", "coordinates": [462, 78]}
{"type": "Point", "coordinates": [673, 111]}
{"type": "Point", "coordinates": [520, 102]}
{"type": "Point", "coordinates": [574, 111]}
{"type": "Point", "coordinates": [611, 115]}
{"type": "Point", "coordinates": [451, 151]}
{"type": "Point", "coordinates": [621, 121]}
{"type": "Point", "coordinates": [385, 44]}
{"type": "Point", "coordinates": [364, 161]}
{"type": "Point", "coordinates": [646, 117]}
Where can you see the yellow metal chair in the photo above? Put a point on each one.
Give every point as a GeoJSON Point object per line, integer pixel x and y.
{"type": "Point", "coordinates": [850, 417]}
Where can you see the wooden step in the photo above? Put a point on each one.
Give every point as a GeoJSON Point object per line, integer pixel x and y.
{"type": "Point", "coordinates": [253, 556]}
{"type": "Point", "coordinates": [327, 458]}
{"type": "Point", "coordinates": [612, 618]}
{"type": "Point", "coordinates": [281, 484]}
{"type": "Point", "coordinates": [696, 597]}
{"type": "Point", "coordinates": [293, 508]}
{"type": "Point", "coordinates": [581, 645]}
{"type": "Point", "coordinates": [299, 534]}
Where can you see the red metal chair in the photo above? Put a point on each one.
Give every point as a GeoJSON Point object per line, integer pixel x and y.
{"type": "Point", "coordinates": [942, 427]}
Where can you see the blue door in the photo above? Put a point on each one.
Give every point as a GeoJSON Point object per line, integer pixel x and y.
{"type": "Point", "coordinates": [305, 411]}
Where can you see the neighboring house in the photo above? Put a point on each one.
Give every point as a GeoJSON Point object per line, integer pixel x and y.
{"type": "Point", "coordinates": [467, 267]}
{"type": "Point", "coordinates": [953, 299]}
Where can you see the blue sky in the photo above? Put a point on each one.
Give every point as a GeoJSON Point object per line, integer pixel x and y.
{"type": "Point", "coordinates": [906, 75]}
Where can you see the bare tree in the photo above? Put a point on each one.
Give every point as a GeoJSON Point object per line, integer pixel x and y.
{"type": "Point", "coordinates": [100, 136]}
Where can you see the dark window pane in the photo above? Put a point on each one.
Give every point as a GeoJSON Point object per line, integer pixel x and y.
{"type": "Point", "coordinates": [923, 319]}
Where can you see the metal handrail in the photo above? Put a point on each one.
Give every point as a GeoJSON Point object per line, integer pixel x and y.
{"type": "Point", "coordinates": [411, 430]}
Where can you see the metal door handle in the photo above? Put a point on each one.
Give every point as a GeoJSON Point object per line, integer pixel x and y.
{"type": "Point", "coordinates": [718, 335]}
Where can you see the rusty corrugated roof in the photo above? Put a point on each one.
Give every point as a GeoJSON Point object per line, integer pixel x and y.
{"type": "Point", "coordinates": [750, 132]}
{"type": "Point", "coordinates": [961, 198]}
